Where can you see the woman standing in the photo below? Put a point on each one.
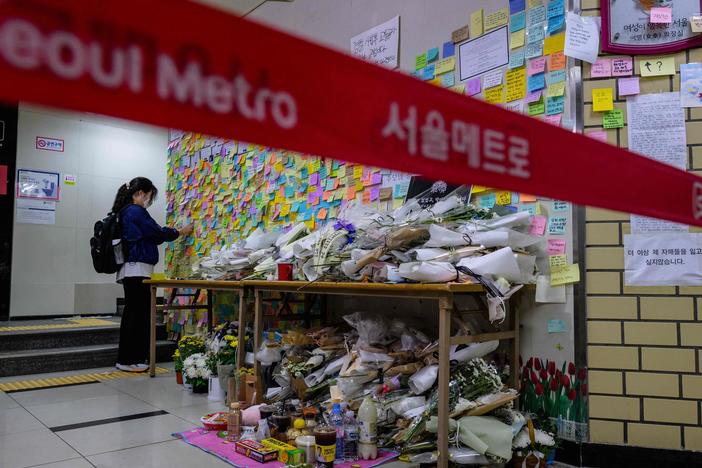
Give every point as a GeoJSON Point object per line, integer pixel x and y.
{"type": "Point", "coordinates": [141, 236]}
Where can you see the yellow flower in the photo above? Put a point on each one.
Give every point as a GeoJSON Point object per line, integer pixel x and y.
{"type": "Point", "coordinates": [229, 337]}
{"type": "Point", "coordinates": [234, 344]}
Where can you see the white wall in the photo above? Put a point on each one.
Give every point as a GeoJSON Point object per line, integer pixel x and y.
{"type": "Point", "coordinates": [52, 271]}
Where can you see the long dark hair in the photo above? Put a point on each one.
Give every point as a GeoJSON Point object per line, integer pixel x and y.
{"type": "Point", "coordinates": [126, 191]}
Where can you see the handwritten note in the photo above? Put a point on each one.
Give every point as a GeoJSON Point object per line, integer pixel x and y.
{"type": "Point", "coordinates": [433, 54]}
{"type": "Point", "coordinates": [553, 119]}
{"type": "Point", "coordinates": [536, 34]}
{"type": "Point", "coordinates": [556, 8]}
{"type": "Point", "coordinates": [487, 201]}
{"type": "Point", "coordinates": [532, 97]}
{"type": "Point", "coordinates": [366, 44]}
{"type": "Point", "coordinates": [558, 205]}
{"type": "Point", "coordinates": [537, 225]}
{"type": "Point", "coordinates": [582, 37]}
{"type": "Point", "coordinates": [557, 225]}
{"type": "Point", "coordinates": [536, 82]}
{"type": "Point", "coordinates": [537, 65]}
{"type": "Point", "coordinates": [555, 24]}
{"type": "Point", "coordinates": [601, 68]}
{"type": "Point", "coordinates": [557, 261]}
{"type": "Point", "coordinates": [556, 89]}
{"type": "Point", "coordinates": [661, 15]}
{"type": "Point", "coordinates": [696, 23]}
{"type": "Point", "coordinates": [517, 21]}
{"type": "Point", "coordinates": [492, 79]}
{"type": "Point", "coordinates": [460, 34]}
{"type": "Point", "coordinates": [503, 198]}
{"type": "Point", "coordinates": [445, 65]}
{"type": "Point", "coordinates": [554, 43]}
{"type": "Point", "coordinates": [556, 246]}
{"type": "Point", "coordinates": [420, 61]}
{"type": "Point", "coordinates": [555, 77]}
{"type": "Point", "coordinates": [602, 99]}
{"type": "Point", "coordinates": [516, 58]}
{"type": "Point", "coordinates": [536, 15]}
{"type": "Point", "coordinates": [476, 23]}
{"type": "Point", "coordinates": [495, 95]}
{"type": "Point", "coordinates": [622, 66]}
{"type": "Point", "coordinates": [556, 61]}
{"type": "Point", "coordinates": [537, 107]}
{"type": "Point", "coordinates": [516, 39]}
{"type": "Point", "coordinates": [555, 105]}
{"type": "Point", "coordinates": [496, 19]}
{"type": "Point", "coordinates": [657, 66]}
{"type": "Point", "coordinates": [516, 5]}
{"type": "Point", "coordinates": [599, 135]}
{"type": "Point", "coordinates": [516, 84]}
{"type": "Point", "coordinates": [534, 50]}
{"type": "Point", "coordinates": [628, 86]}
{"type": "Point", "coordinates": [473, 86]}
{"type": "Point", "coordinates": [565, 275]}
{"type": "Point", "coordinates": [613, 119]}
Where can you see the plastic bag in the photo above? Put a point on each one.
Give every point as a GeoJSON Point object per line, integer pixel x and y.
{"type": "Point", "coordinates": [424, 379]}
{"type": "Point", "coordinates": [263, 430]}
{"type": "Point", "coordinates": [371, 328]}
{"type": "Point", "coordinates": [267, 355]}
{"type": "Point", "coordinates": [429, 272]}
{"type": "Point", "coordinates": [260, 239]}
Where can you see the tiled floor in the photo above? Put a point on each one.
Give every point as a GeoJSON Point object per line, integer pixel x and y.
{"type": "Point", "coordinates": [38, 427]}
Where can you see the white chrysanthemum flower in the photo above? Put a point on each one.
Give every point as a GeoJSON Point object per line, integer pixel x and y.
{"type": "Point", "coordinates": [521, 440]}
{"type": "Point", "coordinates": [544, 438]}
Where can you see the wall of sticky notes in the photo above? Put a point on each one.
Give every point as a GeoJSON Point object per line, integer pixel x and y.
{"type": "Point", "coordinates": [227, 189]}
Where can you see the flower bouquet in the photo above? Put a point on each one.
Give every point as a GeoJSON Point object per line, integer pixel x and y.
{"type": "Point", "coordinates": [531, 447]}
{"type": "Point", "coordinates": [197, 372]}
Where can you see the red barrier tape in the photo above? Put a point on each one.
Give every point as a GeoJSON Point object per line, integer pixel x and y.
{"type": "Point", "coordinates": [177, 64]}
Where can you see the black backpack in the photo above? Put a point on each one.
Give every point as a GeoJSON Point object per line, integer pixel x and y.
{"type": "Point", "coordinates": [106, 245]}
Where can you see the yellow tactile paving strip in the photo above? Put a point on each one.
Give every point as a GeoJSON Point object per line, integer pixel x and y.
{"type": "Point", "coordinates": [71, 380]}
{"type": "Point", "coordinates": [75, 323]}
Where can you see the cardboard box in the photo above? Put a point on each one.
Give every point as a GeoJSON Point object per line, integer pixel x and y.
{"type": "Point", "coordinates": [281, 447]}
{"type": "Point", "coordinates": [256, 451]}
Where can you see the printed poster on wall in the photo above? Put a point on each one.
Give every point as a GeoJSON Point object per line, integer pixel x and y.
{"type": "Point", "coordinates": [380, 44]}
{"type": "Point", "coordinates": [663, 260]}
{"type": "Point", "coordinates": [35, 211]}
{"type": "Point", "coordinates": [648, 26]}
{"type": "Point", "coordinates": [37, 184]}
{"type": "Point", "coordinates": [483, 54]}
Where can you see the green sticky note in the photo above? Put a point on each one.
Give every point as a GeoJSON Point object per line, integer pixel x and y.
{"type": "Point", "coordinates": [538, 107]}
{"type": "Point", "coordinates": [613, 119]}
{"type": "Point", "coordinates": [420, 62]}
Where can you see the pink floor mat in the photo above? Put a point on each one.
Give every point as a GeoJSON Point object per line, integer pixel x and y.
{"type": "Point", "coordinates": [211, 443]}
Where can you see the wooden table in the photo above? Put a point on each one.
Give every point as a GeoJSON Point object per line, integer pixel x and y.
{"type": "Point", "coordinates": [209, 286]}
{"type": "Point", "coordinates": [443, 292]}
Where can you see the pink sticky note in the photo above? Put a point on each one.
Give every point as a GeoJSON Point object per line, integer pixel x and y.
{"type": "Point", "coordinates": [537, 225]}
{"type": "Point", "coordinates": [663, 15]}
{"type": "Point", "coordinates": [553, 119]}
{"type": "Point", "coordinates": [556, 246]}
{"type": "Point", "coordinates": [622, 66]}
{"type": "Point", "coordinates": [473, 86]}
{"type": "Point", "coordinates": [532, 97]}
{"type": "Point", "coordinates": [628, 86]}
{"type": "Point", "coordinates": [537, 65]}
{"type": "Point", "coordinates": [600, 135]}
{"type": "Point", "coordinates": [601, 68]}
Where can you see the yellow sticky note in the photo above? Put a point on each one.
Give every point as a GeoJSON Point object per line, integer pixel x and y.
{"type": "Point", "coordinates": [285, 210]}
{"type": "Point", "coordinates": [479, 189]}
{"type": "Point", "coordinates": [516, 39]}
{"type": "Point", "coordinates": [436, 81]}
{"type": "Point", "coordinates": [357, 172]}
{"type": "Point", "coordinates": [535, 3]}
{"type": "Point", "coordinates": [476, 23]}
{"type": "Point", "coordinates": [516, 84]}
{"type": "Point", "coordinates": [460, 89]}
{"type": "Point", "coordinates": [445, 65]}
{"type": "Point", "coordinates": [557, 261]}
{"type": "Point", "coordinates": [496, 19]}
{"type": "Point", "coordinates": [495, 95]}
{"type": "Point", "coordinates": [554, 44]}
{"type": "Point", "coordinates": [602, 99]}
{"type": "Point", "coordinates": [503, 198]}
{"type": "Point", "coordinates": [565, 274]}
{"type": "Point", "coordinates": [556, 89]}
{"type": "Point", "coordinates": [657, 66]}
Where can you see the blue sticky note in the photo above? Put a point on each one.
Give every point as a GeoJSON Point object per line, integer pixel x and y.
{"type": "Point", "coordinates": [516, 58]}
{"type": "Point", "coordinates": [555, 23]}
{"type": "Point", "coordinates": [534, 50]}
{"type": "Point", "coordinates": [560, 205]}
{"type": "Point", "coordinates": [536, 82]}
{"type": "Point", "coordinates": [449, 49]}
{"type": "Point", "coordinates": [428, 72]}
{"type": "Point", "coordinates": [557, 326]}
{"type": "Point", "coordinates": [487, 201]}
{"type": "Point", "coordinates": [303, 173]}
{"type": "Point", "coordinates": [536, 16]}
{"type": "Point", "coordinates": [330, 184]}
{"type": "Point", "coordinates": [448, 80]}
{"type": "Point", "coordinates": [555, 105]}
{"type": "Point", "coordinates": [323, 172]}
{"type": "Point", "coordinates": [555, 76]}
{"type": "Point", "coordinates": [517, 22]}
{"type": "Point", "coordinates": [535, 34]}
{"type": "Point", "coordinates": [289, 192]}
{"type": "Point", "coordinates": [530, 208]}
{"type": "Point", "coordinates": [515, 198]}
{"type": "Point", "coordinates": [515, 6]}
{"type": "Point", "coordinates": [557, 225]}
{"type": "Point", "coordinates": [556, 8]}
{"type": "Point", "coordinates": [432, 55]}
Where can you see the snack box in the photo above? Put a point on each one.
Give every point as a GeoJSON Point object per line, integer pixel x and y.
{"type": "Point", "coordinates": [256, 451]}
{"type": "Point", "coordinates": [280, 447]}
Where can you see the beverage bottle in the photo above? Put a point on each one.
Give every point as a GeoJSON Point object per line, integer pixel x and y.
{"type": "Point", "coordinates": [234, 422]}
{"type": "Point", "coordinates": [350, 438]}
{"type": "Point", "coordinates": [325, 438]}
{"type": "Point", "coordinates": [368, 430]}
{"type": "Point", "coordinates": [337, 422]}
